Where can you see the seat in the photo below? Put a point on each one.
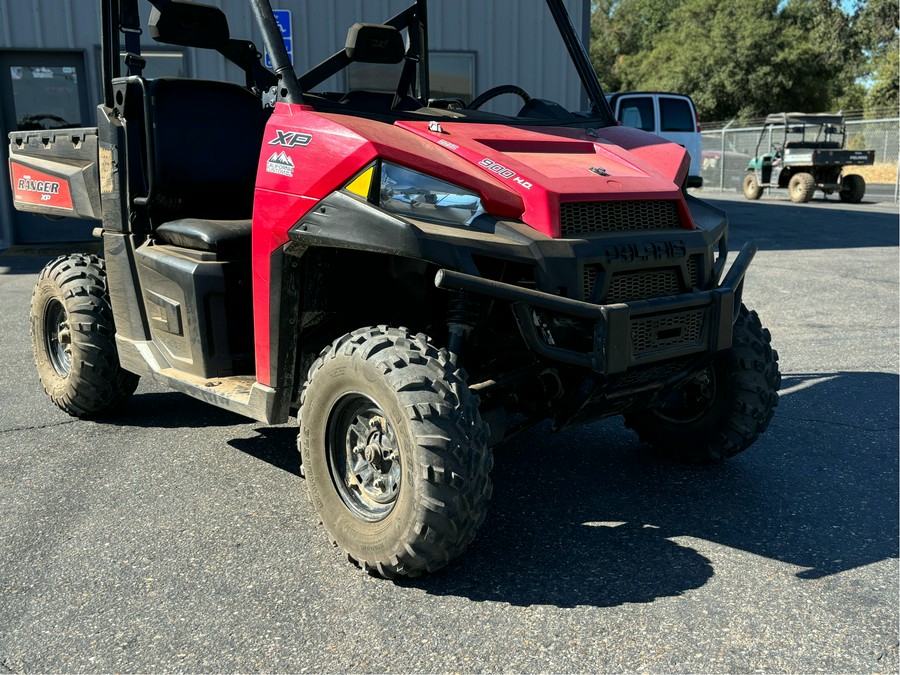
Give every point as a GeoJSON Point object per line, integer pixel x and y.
{"type": "Point", "coordinates": [206, 141]}
{"type": "Point", "coordinates": [228, 239]}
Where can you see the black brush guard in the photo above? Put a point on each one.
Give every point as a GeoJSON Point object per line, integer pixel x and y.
{"type": "Point", "coordinates": [617, 328]}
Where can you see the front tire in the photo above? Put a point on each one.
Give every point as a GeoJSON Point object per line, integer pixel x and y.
{"type": "Point", "coordinates": [751, 187]}
{"type": "Point", "coordinates": [394, 451]}
{"type": "Point", "coordinates": [801, 188]}
{"type": "Point", "coordinates": [853, 188]}
{"type": "Point", "coordinates": [723, 410]}
{"type": "Point", "coordinates": [73, 337]}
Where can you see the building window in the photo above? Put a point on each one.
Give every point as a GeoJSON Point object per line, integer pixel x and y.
{"type": "Point", "coordinates": [161, 63]}
{"type": "Point", "coordinates": [452, 75]}
{"type": "Point", "coordinates": [374, 77]}
{"type": "Point", "coordinates": [45, 97]}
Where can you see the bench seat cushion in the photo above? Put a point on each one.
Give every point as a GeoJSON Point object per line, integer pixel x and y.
{"type": "Point", "coordinates": [229, 239]}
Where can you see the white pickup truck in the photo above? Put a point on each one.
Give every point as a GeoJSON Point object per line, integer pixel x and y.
{"type": "Point", "coordinates": [671, 116]}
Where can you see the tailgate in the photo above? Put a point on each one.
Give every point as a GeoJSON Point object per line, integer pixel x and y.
{"type": "Point", "coordinates": [55, 172]}
{"type": "Point", "coordinates": [843, 157]}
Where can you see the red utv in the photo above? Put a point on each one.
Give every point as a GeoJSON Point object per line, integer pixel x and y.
{"type": "Point", "coordinates": [416, 275]}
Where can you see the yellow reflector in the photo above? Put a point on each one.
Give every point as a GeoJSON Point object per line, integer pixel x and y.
{"type": "Point", "coordinates": [362, 184]}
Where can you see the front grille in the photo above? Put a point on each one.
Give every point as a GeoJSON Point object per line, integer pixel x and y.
{"type": "Point", "coordinates": [628, 286]}
{"type": "Point", "coordinates": [590, 280]}
{"type": "Point", "coordinates": [642, 285]}
{"type": "Point", "coordinates": [663, 332]}
{"type": "Point", "coordinates": [587, 217]}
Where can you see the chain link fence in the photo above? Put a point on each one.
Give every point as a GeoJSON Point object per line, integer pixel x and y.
{"type": "Point", "coordinates": [729, 146]}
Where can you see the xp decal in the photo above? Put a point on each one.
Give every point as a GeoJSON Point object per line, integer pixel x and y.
{"type": "Point", "coordinates": [291, 139]}
{"type": "Point", "coordinates": [35, 187]}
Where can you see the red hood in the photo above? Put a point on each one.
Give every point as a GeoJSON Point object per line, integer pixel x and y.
{"type": "Point", "coordinates": [547, 167]}
{"type": "Point", "coordinates": [527, 172]}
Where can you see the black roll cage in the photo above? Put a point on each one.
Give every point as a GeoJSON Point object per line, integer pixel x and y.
{"type": "Point", "coordinates": [121, 16]}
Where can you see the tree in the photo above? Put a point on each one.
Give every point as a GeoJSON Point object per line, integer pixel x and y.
{"type": "Point", "coordinates": [743, 58]}
{"type": "Point", "coordinates": [821, 51]}
{"type": "Point", "coordinates": [621, 27]}
{"type": "Point", "coordinates": [725, 54]}
{"type": "Point", "coordinates": [876, 25]}
{"type": "Point", "coordinates": [604, 48]}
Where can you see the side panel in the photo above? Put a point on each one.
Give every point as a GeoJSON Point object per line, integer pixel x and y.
{"type": "Point", "coordinates": [55, 172]}
{"type": "Point", "coordinates": [34, 190]}
{"type": "Point", "coordinates": [304, 158]}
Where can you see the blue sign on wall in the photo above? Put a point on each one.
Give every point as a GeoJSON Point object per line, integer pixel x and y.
{"type": "Point", "coordinates": [283, 18]}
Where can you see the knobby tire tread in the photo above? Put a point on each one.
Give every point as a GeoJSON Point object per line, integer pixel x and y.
{"type": "Point", "coordinates": [753, 379]}
{"type": "Point", "coordinates": [95, 382]}
{"type": "Point", "coordinates": [453, 462]}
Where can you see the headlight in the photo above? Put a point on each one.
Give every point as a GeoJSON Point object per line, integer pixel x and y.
{"type": "Point", "coordinates": [410, 193]}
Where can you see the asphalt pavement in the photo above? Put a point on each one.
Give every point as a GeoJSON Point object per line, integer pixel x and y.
{"type": "Point", "coordinates": [179, 537]}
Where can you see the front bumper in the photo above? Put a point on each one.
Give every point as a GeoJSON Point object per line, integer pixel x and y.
{"type": "Point", "coordinates": [625, 335]}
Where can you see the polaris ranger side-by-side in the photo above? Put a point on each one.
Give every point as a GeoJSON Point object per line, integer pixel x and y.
{"type": "Point", "coordinates": [418, 276]}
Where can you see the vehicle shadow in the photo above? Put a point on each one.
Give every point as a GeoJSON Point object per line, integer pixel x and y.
{"type": "Point", "coordinates": [170, 410]}
{"type": "Point", "coordinates": [592, 518]}
{"type": "Point", "coordinates": [31, 258]}
{"type": "Point", "coordinates": [274, 445]}
{"type": "Point", "coordinates": [173, 410]}
{"type": "Point", "coordinates": [788, 227]}
{"type": "Point", "coordinates": [23, 265]}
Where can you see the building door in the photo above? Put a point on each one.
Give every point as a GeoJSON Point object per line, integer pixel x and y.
{"type": "Point", "coordinates": [41, 90]}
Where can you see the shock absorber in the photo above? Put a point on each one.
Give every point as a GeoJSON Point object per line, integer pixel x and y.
{"type": "Point", "coordinates": [462, 316]}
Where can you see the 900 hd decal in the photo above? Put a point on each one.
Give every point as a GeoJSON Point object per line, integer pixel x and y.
{"type": "Point", "coordinates": [35, 187]}
{"type": "Point", "coordinates": [291, 139]}
{"type": "Point", "coordinates": [503, 172]}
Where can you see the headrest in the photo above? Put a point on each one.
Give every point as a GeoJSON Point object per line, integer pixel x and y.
{"type": "Point", "coordinates": [374, 43]}
{"type": "Point", "coordinates": [189, 24]}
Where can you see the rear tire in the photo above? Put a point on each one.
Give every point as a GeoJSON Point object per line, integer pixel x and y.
{"type": "Point", "coordinates": [73, 337]}
{"type": "Point", "coordinates": [394, 451]}
{"type": "Point", "coordinates": [801, 188]}
{"type": "Point", "coordinates": [853, 188]}
{"type": "Point", "coordinates": [751, 187]}
{"type": "Point", "coordinates": [724, 409]}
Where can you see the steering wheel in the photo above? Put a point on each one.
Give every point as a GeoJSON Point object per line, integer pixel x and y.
{"type": "Point", "coordinates": [497, 91]}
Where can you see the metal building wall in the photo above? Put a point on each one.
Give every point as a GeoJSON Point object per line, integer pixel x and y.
{"type": "Point", "coordinates": [526, 49]}
{"type": "Point", "coordinates": [54, 24]}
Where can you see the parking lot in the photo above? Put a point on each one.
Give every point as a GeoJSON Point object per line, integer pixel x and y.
{"type": "Point", "coordinates": [179, 537]}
